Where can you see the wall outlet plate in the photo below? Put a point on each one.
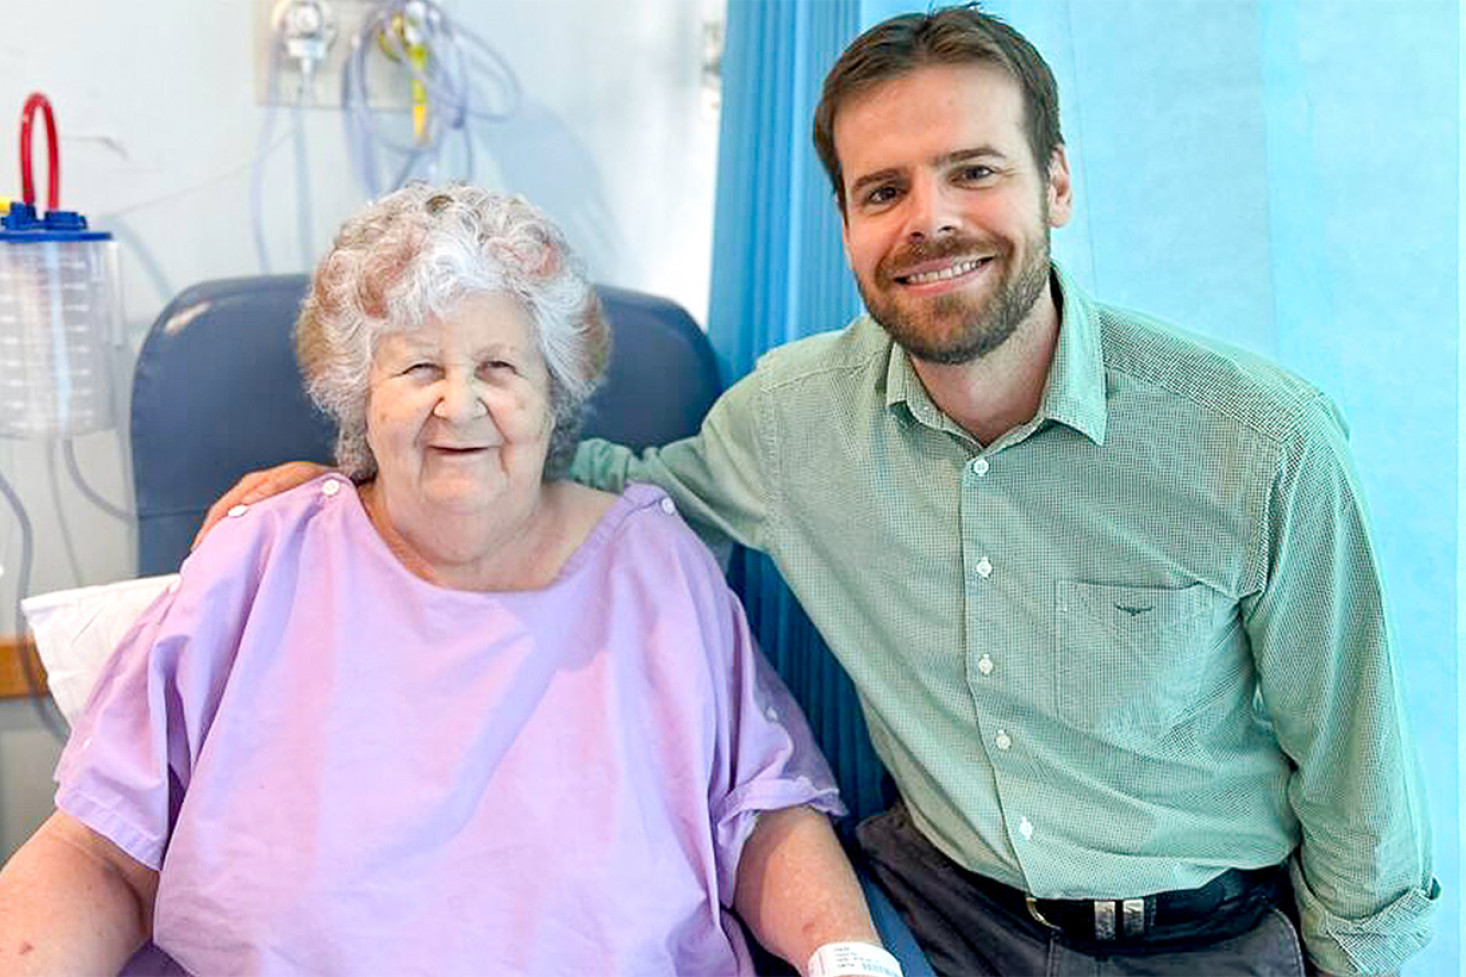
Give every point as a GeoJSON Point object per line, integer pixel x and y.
{"type": "Point", "coordinates": [387, 83]}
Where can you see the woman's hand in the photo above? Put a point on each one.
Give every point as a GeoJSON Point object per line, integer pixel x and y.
{"type": "Point", "coordinates": [796, 890]}
{"type": "Point", "coordinates": [256, 486]}
{"type": "Point", "coordinates": [71, 902]}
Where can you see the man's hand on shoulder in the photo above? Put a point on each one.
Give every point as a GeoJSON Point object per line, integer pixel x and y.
{"type": "Point", "coordinates": [256, 486]}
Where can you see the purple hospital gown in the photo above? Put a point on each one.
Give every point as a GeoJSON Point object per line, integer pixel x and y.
{"type": "Point", "coordinates": [341, 768]}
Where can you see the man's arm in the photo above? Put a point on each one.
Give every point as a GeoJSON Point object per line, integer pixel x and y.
{"type": "Point", "coordinates": [796, 890]}
{"type": "Point", "coordinates": [1319, 634]}
{"type": "Point", "coordinates": [718, 478]}
{"type": "Point", "coordinates": [71, 902]}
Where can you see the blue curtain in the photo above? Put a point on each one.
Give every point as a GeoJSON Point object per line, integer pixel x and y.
{"type": "Point", "coordinates": [778, 274]}
{"type": "Point", "coordinates": [1284, 175]}
{"type": "Point", "coordinates": [778, 269]}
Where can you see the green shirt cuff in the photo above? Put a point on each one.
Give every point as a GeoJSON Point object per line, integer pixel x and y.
{"type": "Point", "coordinates": [1375, 944]}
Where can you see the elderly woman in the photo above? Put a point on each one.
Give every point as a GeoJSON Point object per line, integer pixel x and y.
{"type": "Point", "coordinates": [468, 719]}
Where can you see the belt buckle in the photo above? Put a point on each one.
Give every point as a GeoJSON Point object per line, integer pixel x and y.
{"type": "Point", "coordinates": [1113, 918]}
{"type": "Point", "coordinates": [1133, 917]}
{"type": "Point", "coordinates": [1032, 905]}
{"type": "Point", "coordinates": [1119, 919]}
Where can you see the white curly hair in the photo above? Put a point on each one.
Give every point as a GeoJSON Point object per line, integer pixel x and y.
{"type": "Point", "coordinates": [416, 253]}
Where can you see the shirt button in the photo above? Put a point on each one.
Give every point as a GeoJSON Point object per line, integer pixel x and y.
{"type": "Point", "coordinates": [979, 466]}
{"type": "Point", "coordinates": [985, 665]}
{"type": "Point", "coordinates": [669, 507]}
{"type": "Point", "coordinates": [238, 511]}
{"type": "Point", "coordinates": [984, 568]}
{"type": "Point", "coordinates": [1025, 828]}
{"type": "Point", "coordinates": [772, 713]}
{"type": "Point", "coordinates": [1003, 740]}
{"type": "Point", "coordinates": [331, 487]}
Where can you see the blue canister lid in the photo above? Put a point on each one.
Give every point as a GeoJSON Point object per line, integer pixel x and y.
{"type": "Point", "coordinates": [22, 224]}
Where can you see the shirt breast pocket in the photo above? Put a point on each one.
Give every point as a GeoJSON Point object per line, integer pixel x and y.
{"type": "Point", "coordinates": [1130, 659]}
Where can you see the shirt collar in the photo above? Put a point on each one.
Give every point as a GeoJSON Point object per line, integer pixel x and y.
{"type": "Point", "coordinates": [904, 387]}
{"type": "Point", "coordinates": [1075, 392]}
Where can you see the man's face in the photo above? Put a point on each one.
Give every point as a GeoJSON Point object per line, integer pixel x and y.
{"type": "Point", "coordinates": [947, 214]}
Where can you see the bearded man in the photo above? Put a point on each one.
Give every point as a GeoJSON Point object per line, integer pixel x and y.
{"type": "Point", "coordinates": [1105, 589]}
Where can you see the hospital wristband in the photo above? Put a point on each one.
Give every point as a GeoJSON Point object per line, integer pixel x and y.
{"type": "Point", "coordinates": [849, 959]}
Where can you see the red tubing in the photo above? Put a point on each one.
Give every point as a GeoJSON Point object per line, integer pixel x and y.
{"type": "Point", "coordinates": [53, 152]}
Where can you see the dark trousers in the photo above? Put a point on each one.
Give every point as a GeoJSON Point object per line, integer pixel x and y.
{"type": "Point", "coordinates": [965, 932]}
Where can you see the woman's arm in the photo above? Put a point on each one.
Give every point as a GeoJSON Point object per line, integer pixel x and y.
{"type": "Point", "coordinates": [72, 902]}
{"type": "Point", "coordinates": [796, 890]}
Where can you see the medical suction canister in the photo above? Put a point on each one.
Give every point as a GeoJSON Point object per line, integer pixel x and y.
{"type": "Point", "coordinates": [60, 311]}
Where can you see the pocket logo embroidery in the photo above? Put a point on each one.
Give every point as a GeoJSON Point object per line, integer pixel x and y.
{"type": "Point", "coordinates": [1134, 611]}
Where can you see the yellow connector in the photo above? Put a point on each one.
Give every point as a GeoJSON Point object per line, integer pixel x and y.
{"type": "Point", "coordinates": [418, 55]}
{"type": "Point", "coordinates": [410, 36]}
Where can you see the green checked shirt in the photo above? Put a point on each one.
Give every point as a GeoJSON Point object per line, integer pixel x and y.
{"type": "Point", "coordinates": [1131, 644]}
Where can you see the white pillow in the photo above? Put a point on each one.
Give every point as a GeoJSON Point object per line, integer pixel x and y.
{"type": "Point", "coordinates": [76, 631]}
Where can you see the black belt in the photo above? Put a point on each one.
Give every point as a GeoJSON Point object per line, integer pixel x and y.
{"type": "Point", "coordinates": [1229, 905]}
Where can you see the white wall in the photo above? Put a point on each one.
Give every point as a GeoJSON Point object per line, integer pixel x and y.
{"type": "Point", "coordinates": [155, 101]}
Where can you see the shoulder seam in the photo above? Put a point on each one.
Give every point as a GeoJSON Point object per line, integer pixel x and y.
{"type": "Point", "coordinates": [1290, 411]}
{"type": "Point", "coordinates": [853, 366]}
{"type": "Point", "coordinates": [1273, 436]}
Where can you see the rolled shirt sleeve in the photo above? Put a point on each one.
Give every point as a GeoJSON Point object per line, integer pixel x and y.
{"type": "Point", "coordinates": [766, 758]}
{"type": "Point", "coordinates": [1320, 637]}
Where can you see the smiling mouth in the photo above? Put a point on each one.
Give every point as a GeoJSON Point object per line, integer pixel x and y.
{"type": "Point", "coordinates": [448, 450]}
{"type": "Point", "coordinates": [955, 270]}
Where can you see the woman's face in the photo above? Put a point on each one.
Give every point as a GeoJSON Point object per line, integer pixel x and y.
{"type": "Point", "coordinates": [458, 415]}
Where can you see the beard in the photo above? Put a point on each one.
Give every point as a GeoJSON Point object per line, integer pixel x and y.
{"type": "Point", "coordinates": [957, 328]}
